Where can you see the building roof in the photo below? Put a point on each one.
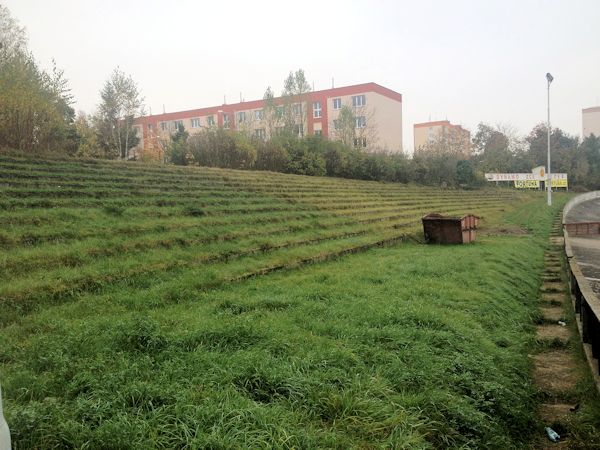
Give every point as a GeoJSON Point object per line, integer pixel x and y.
{"type": "Point", "coordinates": [432, 124]}
{"type": "Point", "coordinates": [438, 123]}
{"type": "Point", "coordinates": [592, 109]}
{"type": "Point", "coordinates": [255, 104]}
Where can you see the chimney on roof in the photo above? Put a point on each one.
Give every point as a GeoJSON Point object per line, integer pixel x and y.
{"type": "Point", "coordinates": [332, 84]}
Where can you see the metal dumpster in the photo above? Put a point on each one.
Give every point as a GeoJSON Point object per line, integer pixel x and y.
{"type": "Point", "coordinates": [449, 230]}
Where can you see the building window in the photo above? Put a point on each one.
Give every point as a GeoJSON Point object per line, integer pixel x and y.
{"type": "Point", "coordinates": [337, 103]}
{"type": "Point", "coordinates": [318, 132]}
{"type": "Point", "coordinates": [298, 109]}
{"type": "Point", "coordinates": [336, 124]}
{"type": "Point", "coordinates": [241, 116]}
{"type": "Point", "coordinates": [430, 135]}
{"type": "Point", "coordinates": [297, 129]}
{"type": "Point", "coordinates": [361, 122]}
{"type": "Point", "coordinates": [259, 114]}
{"type": "Point", "coordinates": [316, 109]}
{"type": "Point", "coordinates": [150, 126]}
{"type": "Point", "coordinates": [225, 120]}
{"type": "Point", "coordinates": [360, 142]}
{"type": "Point", "coordinates": [279, 112]}
{"type": "Point", "coordinates": [195, 123]}
{"type": "Point", "coordinates": [177, 124]}
{"type": "Point", "coordinates": [260, 133]}
{"type": "Point", "coordinates": [358, 100]}
{"type": "Point", "coordinates": [210, 120]}
{"type": "Point", "coordinates": [163, 126]}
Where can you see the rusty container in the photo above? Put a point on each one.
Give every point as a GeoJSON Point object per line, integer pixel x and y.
{"type": "Point", "coordinates": [449, 230]}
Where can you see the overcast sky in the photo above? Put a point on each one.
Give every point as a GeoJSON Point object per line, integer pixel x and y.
{"type": "Point", "coordinates": [467, 61]}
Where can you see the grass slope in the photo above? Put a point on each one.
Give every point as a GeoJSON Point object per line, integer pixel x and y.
{"type": "Point", "coordinates": [139, 310]}
{"type": "Point", "coordinates": [68, 228]}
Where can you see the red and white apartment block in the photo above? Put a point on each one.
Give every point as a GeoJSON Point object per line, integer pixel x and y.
{"type": "Point", "coordinates": [376, 109]}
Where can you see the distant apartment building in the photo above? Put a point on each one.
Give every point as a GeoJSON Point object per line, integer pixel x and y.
{"type": "Point", "coordinates": [590, 118]}
{"type": "Point", "coordinates": [428, 135]}
{"type": "Point", "coordinates": [377, 111]}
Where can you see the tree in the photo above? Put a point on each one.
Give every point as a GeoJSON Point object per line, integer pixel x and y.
{"type": "Point", "coordinates": [13, 39]}
{"type": "Point", "coordinates": [121, 102]}
{"type": "Point", "coordinates": [345, 126]}
{"type": "Point", "coordinates": [88, 145]}
{"type": "Point", "coordinates": [177, 149]}
{"type": "Point", "coordinates": [356, 127]}
{"type": "Point", "coordinates": [271, 156]}
{"type": "Point", "coordinates": [295, 96]}
{"type": "Point", "coordinates": [35, 112]}
{"type": "Point", "coordinates": [465, 175]}
{"type": "Point", "coordinates": [336, 159]}
{"type": "Point", "coordinates": [270, 112]}
{"type": "Point", "coordinates": [216, 147]}
{"type": "Point", "coordinates": [64, 134]}
{"type": "Point", "coordinates": [587, 164]}
{"type": "Point", "coordinates": [562, 148]}
{"type": "Point", "coordinates": [491, 149]}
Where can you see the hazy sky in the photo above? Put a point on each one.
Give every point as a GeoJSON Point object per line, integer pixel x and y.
{"type": "Point", "coordinates": [467, 61]}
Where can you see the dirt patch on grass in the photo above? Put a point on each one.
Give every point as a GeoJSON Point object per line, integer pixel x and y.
{"type": "Point", "coordinates": [552, 286]}
{"type": "Point", "coordinates": [555, 371]}
{"type": "Point", "coordinates": [552, 332]}
{"type": "Point", "coordinates": [551, 278]}
{"type": "Point", "coordinates": [553, 298]}
{"type": "Point", "coordinates": [555, 412]}
{"type": "Point", "coordinates": [552, 313]}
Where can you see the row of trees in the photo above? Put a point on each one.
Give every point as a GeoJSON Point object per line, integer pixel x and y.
{"type": "Point", "coordinates": [36, 112]}
{"type": "Point", "coordinates": [500, 149]}
{"type": "Point", "coordinates": [37, 115]}
{"type": "Point", "coordinates": [496, 149]}
{"type": "Point", "coordinates": [285, 152]}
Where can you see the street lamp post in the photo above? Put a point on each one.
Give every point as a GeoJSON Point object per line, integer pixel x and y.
{"type": "Point", "coordinates": [549, 172]}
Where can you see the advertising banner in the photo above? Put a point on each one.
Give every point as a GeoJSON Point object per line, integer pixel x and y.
{"type": "Point", "coordinates": [560, 182]}
{"type": "Point", "coordinates": [527, 184]}
{"type": "Point", "coordinates": [511, 176]}
{"type": "Point", "coordinates": [530, 180]}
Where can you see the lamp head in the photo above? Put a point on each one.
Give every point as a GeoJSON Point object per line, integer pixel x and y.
{"type": "Point", "coordinates": [549, 77]}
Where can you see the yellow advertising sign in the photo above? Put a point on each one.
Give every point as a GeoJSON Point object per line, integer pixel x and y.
{"type": "Point", "coordinates": [559, 183]}
{"type": "Point", "coordinates": [529, 184]}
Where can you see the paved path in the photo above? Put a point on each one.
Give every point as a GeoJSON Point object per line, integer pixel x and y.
{"type": "Point", "coordinates": [585, 212]}
{"type": "Point", "coordinates": [587, 248]}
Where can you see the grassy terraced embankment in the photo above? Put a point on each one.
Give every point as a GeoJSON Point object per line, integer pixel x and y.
{"type": "Point", "coordinates": [138, 310]}
{"type": "Point", "coordinates": [72, 227]}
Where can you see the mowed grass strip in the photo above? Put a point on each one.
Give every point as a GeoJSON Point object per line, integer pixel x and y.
{"type": "Point", "coordinates": [410, 346]}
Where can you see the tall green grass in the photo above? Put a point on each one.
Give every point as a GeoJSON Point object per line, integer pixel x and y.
{"type": "Point", "coordinates": [183, 340]}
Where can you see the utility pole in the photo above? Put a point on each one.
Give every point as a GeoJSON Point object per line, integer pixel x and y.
{"type": "Point", "coordinates": [549, 173]}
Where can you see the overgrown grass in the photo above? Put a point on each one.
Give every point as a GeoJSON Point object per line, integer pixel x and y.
{"type": "Point", "coordinates": [408, 346]}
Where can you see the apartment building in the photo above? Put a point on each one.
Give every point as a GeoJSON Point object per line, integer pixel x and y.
{"type": "Point", "coordinates": [427, 134]}
{"type": "Point", "coordinates": [377, 112]}
{"type": "Point", "coordinates": [590, 118]}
